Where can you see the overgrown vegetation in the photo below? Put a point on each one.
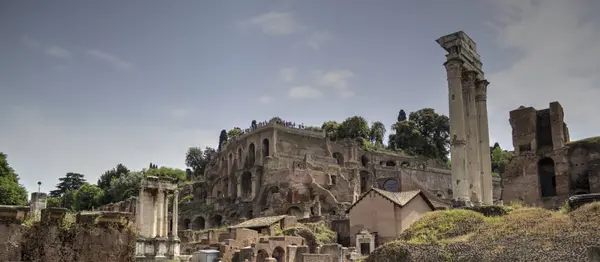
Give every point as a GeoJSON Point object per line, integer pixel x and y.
{"type": "Point", "coordinates": [318, 232]}
{"type": "Point", "coordinates": [523, 234]}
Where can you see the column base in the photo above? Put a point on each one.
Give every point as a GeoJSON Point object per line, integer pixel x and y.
{"type": "Point", "coordinates": [458, 203]}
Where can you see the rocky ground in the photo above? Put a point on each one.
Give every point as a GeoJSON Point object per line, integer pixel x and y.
{"type": "Point", "coordinates": [505, 234]}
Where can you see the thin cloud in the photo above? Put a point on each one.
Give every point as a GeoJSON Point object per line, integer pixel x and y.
{"type": "Point", "coordinates": [58, 52]}
{"type": "Point", "coordinates": [287, 75]}
{"type": "Point", "coordinates": [558, 61]}
{"type": "Point", "coordinates": [304, 92]}
{"type": "Point", "coordinates": [110, 59]}
{"type": "Point", "coordinates": [318, 38]}
{"type": "Point", "coordinates": [265, 99]}
{"type": "Point", "coordinates": [275, 23]}
{"type": "Point", "coordinates": [338, 80]}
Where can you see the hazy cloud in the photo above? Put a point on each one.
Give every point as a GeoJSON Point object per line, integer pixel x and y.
{"type": "Point", "coordinates": [58, 52]}
{"type": "Point", "coordinates": [304, 92]}
{"type": "Point", "coordinates": [318, 38]}
{"type": "Point", "coordinates": [110, 59]}
{"type": "Point", "coordinates": [557, 42]}
{"type": "Point", "coordinates": [265, 99]}
{"type": "Point", "coordinates": [287, 75]}
{"type": "Point", "coordinates": [275, 23]}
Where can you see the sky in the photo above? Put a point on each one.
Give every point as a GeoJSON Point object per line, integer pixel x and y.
{"type": "Point", "coordinates": [86, 85]}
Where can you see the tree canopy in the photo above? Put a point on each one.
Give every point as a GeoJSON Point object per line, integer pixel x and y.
{"type": "Point", "coordinates": [11, 192]}
{"type": "Point", "coordinates": [198, 159]}
{"type": "Point", "coordinates": [425, 133]}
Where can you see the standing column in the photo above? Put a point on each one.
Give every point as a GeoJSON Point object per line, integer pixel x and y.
{"type": "Point", "coordinates": [154, 212]}
{"type": "Point", "coordinates": [175, 215]}
{"type": "Point", "coordinates": [165, 232]}
{"type": "Point", "coordinates": [458, 152]}
{"type": "Point", "coordinates": [160, 203]}
{"type": "Point", "coordinates": [139, 213]}
{"type": "Point", "coordinates": [471, 126]}
{"type": "Point", "coordinates": [484, 142]}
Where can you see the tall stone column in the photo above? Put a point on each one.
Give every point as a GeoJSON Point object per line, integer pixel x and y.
{"type": "Point", "coordinates": [139, 213]}
{"type": "Point", "coordinates": [458, 144]}
{"type": "Point", "coordinates": [472, 131]}
{"type": "Point", "coordinates": [165, 232]}
{"type": "Point", "coordinates": [175, 216]}
{"type": "Point", "coordinates": [158, 213]}
{"type": "Point", "coordinates": [154, 214]}
{"type": "Point", "coordinates": [484, 142]}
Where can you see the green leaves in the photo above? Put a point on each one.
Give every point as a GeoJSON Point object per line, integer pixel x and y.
{"type": "Point", "coordinates": [11, 192]}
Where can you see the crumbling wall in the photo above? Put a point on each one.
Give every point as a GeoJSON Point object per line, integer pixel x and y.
{"type": "Point", "coordinates": [59, 236]}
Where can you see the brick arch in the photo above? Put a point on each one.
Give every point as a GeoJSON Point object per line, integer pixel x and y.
{"type": "Point", "coordinates": [261, 255]}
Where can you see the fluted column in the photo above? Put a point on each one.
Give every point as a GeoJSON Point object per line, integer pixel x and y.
{"type": "Point", "coordinates": [139, 213]}
{"type": "Point", "coordinates": [471, 126]}
{"type": "Point", "coordinates": [154, 213]}
{"type": "Point", "coordinates": [458, 152]}
{"type": "Point", "coordinates": [160, 204]}
{"type": "Point", "coordinates": [175, 216]}
{"type": "Point", "coordinates": [484, 142]}
{"type": "Point", "coordinates": [165, 231]}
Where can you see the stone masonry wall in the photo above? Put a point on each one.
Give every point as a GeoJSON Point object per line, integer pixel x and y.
{"type": "Point", "coordinates": [89, 236]}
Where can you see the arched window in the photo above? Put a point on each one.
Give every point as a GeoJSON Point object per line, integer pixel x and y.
{"type": "Point", "coordinates": [251, 154]}
{"type": "Point", "coordinates": [217, 221]}
{"type": "Point", "coordinates": [390, 185]}
{"type": "Point", "coordinates": [199, 223]}
{"type": "Point", "coordinates": [547, 177]}
{"type": "Point", "coordinates": [364, 160]}
{"type": "Point", "coordinates": [246, 184]}
{"type": "Point", "coordinates": [265, 147]}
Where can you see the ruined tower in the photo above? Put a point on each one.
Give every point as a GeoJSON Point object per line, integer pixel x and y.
{"type": "Point", "coordinates": [469, 132]}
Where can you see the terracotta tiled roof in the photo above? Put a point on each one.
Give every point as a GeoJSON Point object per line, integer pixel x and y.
{"type": "Point", "coordinates": [259, 222]}
{"type": "Point", "coordinates": [398, 198]}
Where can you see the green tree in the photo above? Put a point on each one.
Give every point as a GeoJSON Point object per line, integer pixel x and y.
{"type": "Point", "coordinates": [11, 192]}
{"type": "Point", "coordinates": [377, 132]}
{"type": "Point", "coordinates": [355, 127]}
{"type": "Point", "coordinates": [425, 133]}
{"type": "Point", "coordinates": [166, 172]}
{"type": "Point", "coordinates": [198, 159]}
{"type": "Point", "coordinates": [125, 186]}
{"type": "Point", "coordinates": [53, 201]}
{"type": "Point", "coordinates": [236, 131]}
{"type": "Point", "coordinates": [330, 128]}
{"type": "Point", "coordinates": [222, 138]}
{"type": "Point", "coordinates": [87, 197]}
{"type": "Point", "coordinates": [70, 182]}
{"type": "Point", "coordinates": [401, 115]}
{"type": "Point", "coordinates": [500, 159]}
{"type": "Point", "coordinates": [109, 175]}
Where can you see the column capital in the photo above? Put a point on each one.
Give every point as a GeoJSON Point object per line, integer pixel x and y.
{"type": "Point", "coordinates": [453, 62]}
{"type": "Point", "coordinates": [454, 67]}
{"type": "Point", "coordinates": [481, 90]}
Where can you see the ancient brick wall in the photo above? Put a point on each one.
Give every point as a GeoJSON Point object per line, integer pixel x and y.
{"type": "Point", "coordinates": [92, 236]}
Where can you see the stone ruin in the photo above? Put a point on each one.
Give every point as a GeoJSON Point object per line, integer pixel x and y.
{"type": "Point", "coordinates": [469, 131]}
{"type": "Point", "coordinates": [37, 233]}
{"type": "Point", "coordinates": [548, 168]}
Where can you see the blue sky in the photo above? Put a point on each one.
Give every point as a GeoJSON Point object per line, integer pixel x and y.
{"type": "Point", "coordinates": [85, 85]}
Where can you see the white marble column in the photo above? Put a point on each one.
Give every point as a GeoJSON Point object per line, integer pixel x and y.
{"type": "Point", "coordinates": [484, 142]}
{"type": "Point", "coordinates": [472, 131]}
{"type": "Point", "coordinates": [165, 232]}
{"type": "Point", "coordinates": [175, 216]}
{"type": "Point", "coordinates": [154, 213]}
{"type": "Point", "coordinates": [458, 151]}
{"type": "Point", "coordinates": [160, 204]}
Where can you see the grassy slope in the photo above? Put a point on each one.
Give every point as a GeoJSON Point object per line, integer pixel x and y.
{"type": "Point", "coordinates": [524, 234]}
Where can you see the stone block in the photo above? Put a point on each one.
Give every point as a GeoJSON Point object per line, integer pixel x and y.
{"type": "Point", "coordinates": [53, 215]}
{"type": "Point", "coordinates": [13, 214]}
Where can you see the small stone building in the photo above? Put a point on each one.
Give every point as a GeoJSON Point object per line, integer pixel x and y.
{"type": "Point", "coordinates": [268, 225]}
{"type": "Point", "coordinates": [382, 215]}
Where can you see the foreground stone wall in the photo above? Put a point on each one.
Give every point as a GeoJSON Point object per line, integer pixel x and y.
{"type": "Point", "coordinates": [59, 236]}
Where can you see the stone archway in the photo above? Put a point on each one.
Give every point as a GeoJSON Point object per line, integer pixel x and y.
{"type": "Point", "coordinates": [339, 158]}
{"type": "Point", "coordinates": [279, 254]}
{"type": "Point", "coordinates": [187, 224]}
{"type": "Point", "coordinates": [261, 255]}
{"type": "Point", "coordinates": [246, 181]}
{"type": "Point", "coordinates": [251, 154]}
{"type": "Point", "coordinates": [216, 221]}
{"type": "Point", "coordinates": [295, 211]}
{"type": "Point", "coordinates": [547, 177]}
{"type": "Point", "coordinates": [199, 223]}
{"type": "Point", "coordinates": [390, 185]}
